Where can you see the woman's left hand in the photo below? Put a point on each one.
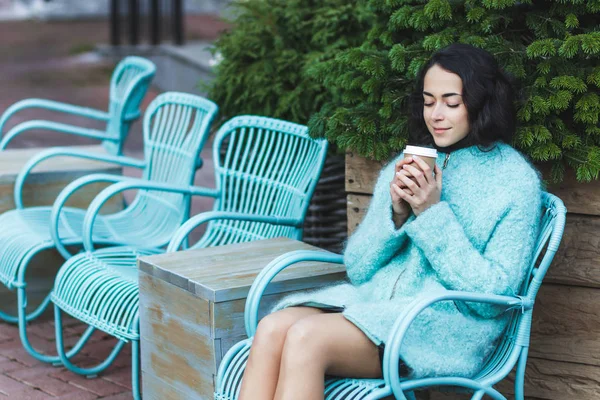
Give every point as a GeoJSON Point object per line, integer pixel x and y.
{"type": "Point", "coordinates": [426, 191]}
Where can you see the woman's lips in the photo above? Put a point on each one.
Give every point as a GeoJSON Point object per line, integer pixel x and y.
{"type": "Point", "coordinates": [440, 130]}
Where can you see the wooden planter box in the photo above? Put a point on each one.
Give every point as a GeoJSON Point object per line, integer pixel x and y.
{"type": "Point", "coordinates": [564, 360]}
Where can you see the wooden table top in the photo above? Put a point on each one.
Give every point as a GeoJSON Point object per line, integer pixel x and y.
{"type": "Point", "coordinates": [226, 272]}
{"type": "Point", "coordinates": [12, 161]}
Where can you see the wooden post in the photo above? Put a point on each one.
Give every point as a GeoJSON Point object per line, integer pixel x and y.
{"type": "Point", "coordinates": [192, 309]}
{"type": "Point", "coordinates": [115, 36]}
{"type": "Point", "coordinates": [154, 22]}
{"type": "Point", "coordinates": [134, 22]}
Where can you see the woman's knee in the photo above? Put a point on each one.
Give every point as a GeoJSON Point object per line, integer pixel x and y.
{"type": "Point", "coordinates": [272, 329]}
{"type": "Point", "coordinates": [304, 341]}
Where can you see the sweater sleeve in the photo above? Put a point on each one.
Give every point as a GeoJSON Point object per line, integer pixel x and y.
{"type": "Point", "coordinates": [376, 240]}
{"type": "Point", "coordinates": [498, 269]}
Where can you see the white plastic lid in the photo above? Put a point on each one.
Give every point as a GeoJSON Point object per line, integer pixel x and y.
{"type": "Point", "coordinates": [421, 151]}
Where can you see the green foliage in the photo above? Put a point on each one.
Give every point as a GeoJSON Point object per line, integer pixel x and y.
{"type": "Point", "coordinates": [348, 68]}
{"type": "Point", "coordinates": [552, 47]}
{"type": "Point", "coordinates": [267, 54]}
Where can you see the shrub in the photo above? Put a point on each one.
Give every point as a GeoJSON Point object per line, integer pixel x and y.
{"type": "Point", "coordinates": [551, 47]}
{"type": "Point", "coordinates": [266, 54]}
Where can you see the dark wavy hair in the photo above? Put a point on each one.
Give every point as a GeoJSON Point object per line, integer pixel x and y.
{"type": "Point", "coordinates": [488, 94]}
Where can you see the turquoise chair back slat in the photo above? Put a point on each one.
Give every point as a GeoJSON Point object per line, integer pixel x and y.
{"type": "Point", "coordinates": [176, 127]}
{"type": "Point", "coordinates": [517, 333]}
{"type": "Point", "coordinates": [128, 86]}
{"type": "Point", "coordinates": [264, 167]}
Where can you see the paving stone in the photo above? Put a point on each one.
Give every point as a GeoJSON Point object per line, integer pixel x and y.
{"type": "Point", "coordinates": [78, 396]}
{"type": "Point", "coordinates": [120, 376]}
{"type": "Point", "coordinates": [31, 394]}
{"type": "Point", "coordinates": [98, 386]}
{"type": "Point", "coordinates": [120, 396]}
{"type": "Point", "coordinates": [9, 386]}
{"type": "Point", "coordinates": [7, 365]}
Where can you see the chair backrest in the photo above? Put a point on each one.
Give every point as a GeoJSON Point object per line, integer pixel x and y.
{"type": "Point", "coordinates": [128, 86]}
{"type": "Point", "coordinates": [517, 333]}
{"type": "Point", "coordinates": [264, 167]}
{"type": "Point", "coordinates": [176, 126]}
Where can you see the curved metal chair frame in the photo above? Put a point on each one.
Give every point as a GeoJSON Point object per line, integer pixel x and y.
{"type": "Point", "coordinates": [512, 349]}
{"type": "Point", "coordinates": [266, 171]}
{"type": "Point", "coordinates": [128, 86]}
{"type": "Point", "coordinates": [176, 126]}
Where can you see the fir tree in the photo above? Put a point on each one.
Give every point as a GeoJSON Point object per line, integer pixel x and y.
{"type": "Point", "coordinates": [551, 47]}
{"type": "Point", "coordinates": [269, 48]}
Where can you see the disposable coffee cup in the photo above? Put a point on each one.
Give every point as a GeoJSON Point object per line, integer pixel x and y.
{"type": "Point", "coordinates": [426, 154]}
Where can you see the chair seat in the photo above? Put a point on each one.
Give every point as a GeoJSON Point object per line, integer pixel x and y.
{"type": "Point", "coordinates": [229, 380]}
{"type": "Point", "coordinates": [28, 230]}
{"type": "Point", "coordinates": [101, 289]}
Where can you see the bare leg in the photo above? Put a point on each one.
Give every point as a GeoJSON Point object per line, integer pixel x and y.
{"type": "Point", "coordinates": [319, 345]}
{"type": "Point", "coordinates": [262, 371]}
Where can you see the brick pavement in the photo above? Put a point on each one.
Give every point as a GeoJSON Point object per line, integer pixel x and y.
{"type": "Point", "coordinates": [24, 378]}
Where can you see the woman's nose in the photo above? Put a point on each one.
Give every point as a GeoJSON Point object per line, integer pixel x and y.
{"type": "Point", "coordinates": [437, 114]}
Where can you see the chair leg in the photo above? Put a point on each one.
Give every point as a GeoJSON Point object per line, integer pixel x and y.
{"type": "Point", "coordinates": [64, 357]}
{"type": "Point", "coordinates": [135, 369]}
{"type": "Point", "coordinates": [14, 319]}
{"type": "Point", "coordinates": [22, 320]}
{"type": "Point", "coordinates": [520, 374]}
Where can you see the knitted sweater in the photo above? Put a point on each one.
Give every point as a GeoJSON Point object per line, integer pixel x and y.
{"type": "Point", "coordinates": [480, 237]}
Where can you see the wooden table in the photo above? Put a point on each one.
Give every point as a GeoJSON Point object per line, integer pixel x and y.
{"type": "Point", "coordinates": [42, 186]}
{"type": "Point", "coordinates": [192, 309]}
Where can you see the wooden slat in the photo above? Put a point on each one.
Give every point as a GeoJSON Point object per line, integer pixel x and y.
{"type": "Point", "coordinates": [555, 380]}
{"type": "Point", "coordinates": [566, 324]}
{"type": "Point", "coordinates": [361, 173]}
{"type": "Point", "coordinates": [156, 388]}
{"type": "Point", "coordinates": [226, 272]}
{"type": "Point", "coordinates": [579, 198]}
{"type": "Point", "coordinates": [176, 344]}
{"type": "Point", "coordinates": [356, 210]}
{"type": "Point", "coordinates": [577, 261]}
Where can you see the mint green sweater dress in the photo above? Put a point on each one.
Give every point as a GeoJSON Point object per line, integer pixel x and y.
{"type": "Point", "coordinates": [480, 237]}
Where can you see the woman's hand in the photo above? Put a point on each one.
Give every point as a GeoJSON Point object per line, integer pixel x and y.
{"type": "Point", "coordinates": [427, 189]}
{"type": "Point", "coordinates": [400, 207]}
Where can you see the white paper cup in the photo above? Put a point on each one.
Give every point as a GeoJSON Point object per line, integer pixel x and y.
{"type": "Point", "coordinates": [427, 154]}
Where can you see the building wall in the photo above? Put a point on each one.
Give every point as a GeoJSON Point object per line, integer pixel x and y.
{"type": "Point", "coordinates": [18, 9]}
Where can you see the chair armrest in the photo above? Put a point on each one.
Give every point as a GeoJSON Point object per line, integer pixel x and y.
{"type": "Point", "coordinates": [68, 152]}
{"type": "Point", "coordinates": [128, 184]}
{"type": "Point", "coordinates": [270, 271]}
{"type": "Point", "coordinates": [391, 356]}
{"type": "Point", "coordinates": [54, 126]}
{"type": "Point", "coordinates": [182, 233]}
{"type": "Point", "coordinates": [53, 106]}
{"type": "Point", "coordinates": [62, 198]}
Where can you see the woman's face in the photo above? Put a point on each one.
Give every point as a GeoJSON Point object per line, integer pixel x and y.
{"type": "Point", "coordinates": [444, 112]}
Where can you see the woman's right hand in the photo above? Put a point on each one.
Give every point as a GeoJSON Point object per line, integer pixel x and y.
{"type": "Point", "coordinates": [400, 207]}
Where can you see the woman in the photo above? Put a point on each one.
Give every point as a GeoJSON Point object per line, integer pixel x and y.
{"type": "Point", "coordinates": [470, 225]}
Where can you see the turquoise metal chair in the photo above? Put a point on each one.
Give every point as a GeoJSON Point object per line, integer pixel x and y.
{"type": "Point", "coordinates": [511, 351]}
{"type": "Point", "coordinates": [128, 86]}
{"type": "Point", "coordinates": [266, 171]}
{"type": "Point", "coordinates": [176, 126]}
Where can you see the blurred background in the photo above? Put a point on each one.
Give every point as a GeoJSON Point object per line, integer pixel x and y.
{"type": "Point", "coordinates": [65, 50]}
